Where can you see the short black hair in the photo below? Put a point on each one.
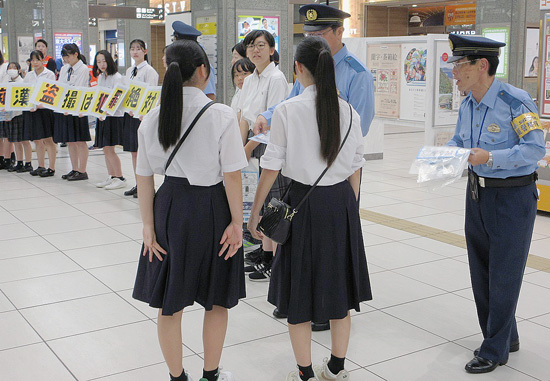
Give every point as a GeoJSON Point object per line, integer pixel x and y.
{"type": "Point", "coordinates": [240, 48]}
{"type": "Point", "coordinates": [493, 63]}
{"type": "Point", "coordinates": [179, 37]}
{"type": "Point", "coordinates": [244, 64]}
{"type": "Point", "coordinates": [42, 41]}
{"type": "Point", "coordinates": [252, 36]}
{"type": "Point", "coordinates": [36, 54]}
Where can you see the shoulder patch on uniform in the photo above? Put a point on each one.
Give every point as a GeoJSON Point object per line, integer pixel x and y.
{"type": "Point", "coordinates": [355, 64]}
{"type": "Point", "coordinates": [509, 99]}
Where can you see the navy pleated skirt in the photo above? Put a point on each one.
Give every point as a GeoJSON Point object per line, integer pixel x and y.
{"type": "Point", "coordinates": [130, 137]}
{"type": "Point", "coordinates": [189, 223]}
{"type": "Point", "coordinates": [15, 130]}
{"type": "Point", "coordinates": [70, 129]}
{"type": "Point", "coordinates": [109, 132]}
{"type": "Point", "coordinates": [321, 273]}
{"type": "Point", "coordinates": [40, 123]}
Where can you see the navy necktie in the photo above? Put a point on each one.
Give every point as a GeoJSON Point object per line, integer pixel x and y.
{"type": "Point", "coordinates": [134, 72]}
{"type": "Point", "coordinates": [69, 75]}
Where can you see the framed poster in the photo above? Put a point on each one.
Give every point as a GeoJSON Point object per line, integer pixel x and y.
{"type": "Point", "coordinates": [61, 39]}
{"type": "Point", "coordinates": [531, 61]}
{"type": "Point", "coordinates": [413, 81]}
{"type": "Point", "coordinates": [447, 96]}
{"type": "Point", "coordinates": [246, 24]}
{"type": "Point", "coordinates": [501, 34]}
{"type": "Point", "coordinates": [25, 45]}
{"type": "Point", "coordinates": [384, 61]}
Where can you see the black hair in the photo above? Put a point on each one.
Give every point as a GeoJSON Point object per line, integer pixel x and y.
{"type": "Point", "coordinates": [244, 64]}
{"type": "Point", "coordinates": [493, 63]}
{"type": "Point", "coordinates": [240, 48]}
{"type": "Point", "coordinates": [42, 41]}
{"type": "Point", "coordinates": [1, 58]}
{"type": "Point", "coordinates": [276, 57]}
{"type": "Point", "coordinates": [72, 49]}
{"type": "Point", "coordinates": [111, 67]}
{"type": "Point", "coordinates": [314, 53]}
{"type": "Point", "coordinates": [183, 57]}
{"type": "Point", "coordinates": [37, 54]}
{"type": "Point", "coordinates": [18, 67]}
{"type": "Point", "coordinates": [252, 36]}
{"type": "Point", "coordinates": [141, 43]}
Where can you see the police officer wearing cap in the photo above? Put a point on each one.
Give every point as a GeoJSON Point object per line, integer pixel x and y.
{"type": "Point", "coordinates": [353, 79]}
{"type": "Point", "coordinates": [501, 126]}
{"type": "Point", "coordinates": [182, 31]}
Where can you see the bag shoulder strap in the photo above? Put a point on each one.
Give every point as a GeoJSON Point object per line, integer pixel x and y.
{"type": "Point", "coordinates": [173, 154]}
{"type": "Point", "coordinates": [326, 169]}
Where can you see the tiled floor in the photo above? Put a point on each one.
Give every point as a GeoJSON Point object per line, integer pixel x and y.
{"type": "Point", "coordinates": [68, 254]}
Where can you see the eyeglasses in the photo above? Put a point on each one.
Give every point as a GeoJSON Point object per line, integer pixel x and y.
{"type": "Point", "coordinates": [318, 34]}
{"type": "Point", "coordinates": [259, 46]}
{"type": "Point", "coordinates": [457, 64]}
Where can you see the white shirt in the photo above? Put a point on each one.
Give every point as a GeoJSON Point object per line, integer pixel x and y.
{"type": "Point", "coordinates": [295, 146]}
{"type": "Point", "coordinates": [235, 100]}
{"type": "Point", "coordinates": [4, 77]}
{"type": "Point", "coordinates": [46, 74]}
{"type": "Point", "coordinates": [145, 73]}
{"type": "Point", "coordinates": [212, 148]}
{"type": "Point", "coordinates": [80, 76]}
{"type": "Point", "coordinates": [261, 91]}
{"type": "Point", "coordinates": [16, 80]}
{"type": "Point", "coordinates": [110, 81]}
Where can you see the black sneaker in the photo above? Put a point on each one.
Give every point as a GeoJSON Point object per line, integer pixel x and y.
{"type": "Point", "coordinates": [262, 273]}
{"type": "Point", "coordinates": [131, 192]}
{"type": "Point", "coordinates": [66, 176]}
{"type": "Point", "coordinates": [17, 168]}
{"type": "Point", "coordinates": [78, 176]}
{"type": "Point", "coordinates": [47, 172]}
{"type": "Point", "coordinates": [7, 164]}
{"type": "Point", "coordinates": [252, 257]}
{"type": "Point", "coordinates": [26, 168]}
{"type": "Point", "coordinates": [37, 171]}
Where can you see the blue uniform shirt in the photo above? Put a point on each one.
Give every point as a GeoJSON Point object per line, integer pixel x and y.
{"type": "Point", "coordinates": [355, 85]}
{"type": "Point", "coordinates": [487, 125]}
{"type": "Point", "coordinates": [211, 87]}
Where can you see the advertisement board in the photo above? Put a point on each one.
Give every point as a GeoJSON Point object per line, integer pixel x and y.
{"type": "Point", "coordinates": [61, 39]}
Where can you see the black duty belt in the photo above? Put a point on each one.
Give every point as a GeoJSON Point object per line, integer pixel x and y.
{"type": "Point", "coordinates": [520, 181]}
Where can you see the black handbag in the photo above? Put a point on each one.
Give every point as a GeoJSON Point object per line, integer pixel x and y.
{"type": "Point", "coordinates": [276, 221]}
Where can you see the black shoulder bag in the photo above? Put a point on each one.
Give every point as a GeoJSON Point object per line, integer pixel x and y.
{"type": "Point", "coordinates": [173, 154]}
{"type": "Point", "coordinates": [275, 223]}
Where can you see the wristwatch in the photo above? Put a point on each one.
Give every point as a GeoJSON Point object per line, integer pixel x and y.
{"type": "Point", "coordinates": [490, 160]}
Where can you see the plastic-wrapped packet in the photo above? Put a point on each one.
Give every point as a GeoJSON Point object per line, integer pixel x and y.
{"type": "Point", "coordinates": [440, 165]}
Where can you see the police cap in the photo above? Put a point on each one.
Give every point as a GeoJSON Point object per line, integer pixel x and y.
{"type": "Point", "coordinates": [320, 16]}
{"type": "Point", "coordinates": [463, 46]}
{"type": "Point", "coordinates": [184, 31]}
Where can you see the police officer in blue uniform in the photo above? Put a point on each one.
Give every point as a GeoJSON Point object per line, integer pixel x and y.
{"type": "Point", "coordinates": [501, 126]}
{"type": "Point", "coordinates": [353, 79]}
{"type": "Point", "coordinates": [182, 31]}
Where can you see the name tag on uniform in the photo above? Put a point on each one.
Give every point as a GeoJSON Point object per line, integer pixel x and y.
{"type": "Point", "coordinates": [493, 128]}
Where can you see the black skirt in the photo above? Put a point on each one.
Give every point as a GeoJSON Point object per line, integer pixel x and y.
{"type": "Point", "coordinates": [4, 130]}
{"type": "Point", "coordinates": [16, 131]}
{"type": "Point", "coordinates": [321, 273]}
{"type": "Point", "coordinates": [189, 223]}
{"type": "Point", "coordinates": [130, 137]}
{"type": "Point", "coordinates": [40, 123]}
{"type": "Point", "coordinates": [108, 132]}
{"type": "Point", "coordinates": [70, 129]}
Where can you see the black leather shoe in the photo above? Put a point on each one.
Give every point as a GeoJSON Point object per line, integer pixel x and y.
{"type": "Point", "coordinates": [17, 168]}
{"type": "Point", "coordinates": [66, 176]}
{"type": "Point", "coordinates": [131, 192]}
{"type": "Point", "coordinates": [26, 168]}
{"type": "Point", "coordinates": [481, 365]}
{"type": "Point", "coordinates": [318, 327]}
{"type": "Point", "coordinates": [78, 176]}
{"type": "Point", "coordinates": [278, 314]}
{"type": "Point", "coordinates": [514, 347]}
{"type": "Point", "coordinates": [37, 171]}
{"type": "Point", "coordinates": [47, 173]}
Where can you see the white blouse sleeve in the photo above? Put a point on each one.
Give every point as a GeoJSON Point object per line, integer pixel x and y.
{"type": "Point", "coordinates": [277, 92]}
{"type": "Point", "coordinates": [274, 157]}
{"type": "Point", "coordinates": [358, 159]}
{"type": "Point", "coordinates": [152, 77]}
{"type": "Point", "coordinates": [232, 156]}
{"type": "Point", "coordinates": [143, 167]}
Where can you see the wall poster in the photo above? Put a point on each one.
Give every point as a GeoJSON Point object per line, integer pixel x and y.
{"type": "Point", "coordinates": [544, 163]}
{"type": "Point", "coordinates": [413, 81]}
{"type": "Point", "coordinates": [61, 39]}
{"type": "Point", "coordinates": [544, 103]}
{"type": "Point", "coordinates": [25, 45]}
{"type": "Point", "coordinates": [447, 96]}
{"type": "Point", "coordinates": [502, 35]}
{"type": "Point", "coordinates": [384, 61]}
{"type": "Point", "coordinates": [245, 24]}
{"type": "Point", "coordinates": [531, 61]}
{"type": "Point", "coordinates": [208, 26]}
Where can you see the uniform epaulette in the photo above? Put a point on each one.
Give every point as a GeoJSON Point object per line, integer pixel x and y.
{"type": "Point", "coordinates": [509, 99]}
{"type": "Point", "coordinates": [355, 64]}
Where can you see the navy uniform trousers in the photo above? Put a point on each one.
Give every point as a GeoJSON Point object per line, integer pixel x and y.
{"type": "Point", "coordinates": [498, 231]}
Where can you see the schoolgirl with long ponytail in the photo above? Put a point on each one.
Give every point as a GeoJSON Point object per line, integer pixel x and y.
{"type": "Point", "coordinates": [320, 272]}
{"type": "Point", "coordinates": [192, 232]}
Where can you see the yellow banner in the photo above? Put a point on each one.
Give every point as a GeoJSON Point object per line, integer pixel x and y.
{"type": "Point", "coordinates": [134, 96]}
{"type": "Point", "coordinates": [115, 99]}
{"type": "Point", "coordinates": [71, 100]}
{"type": "Point", "coordinates": [150, 100]}
{"type": "Point", "coordinates": [99, 101]}
{"type": "Point", "coordinates": [86, 101]}
{"type": "Point", "coordinates": [2, 97]}
{"type": "Point", "coordinates": [18, 97]}
{"type": "Point", "coordinates": [48, 94]}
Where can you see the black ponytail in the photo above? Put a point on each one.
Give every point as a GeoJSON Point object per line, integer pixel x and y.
{"type": "Point", "coordinates": [183, 57]}
{"type": "Point", "coordinates": [314, 53]}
